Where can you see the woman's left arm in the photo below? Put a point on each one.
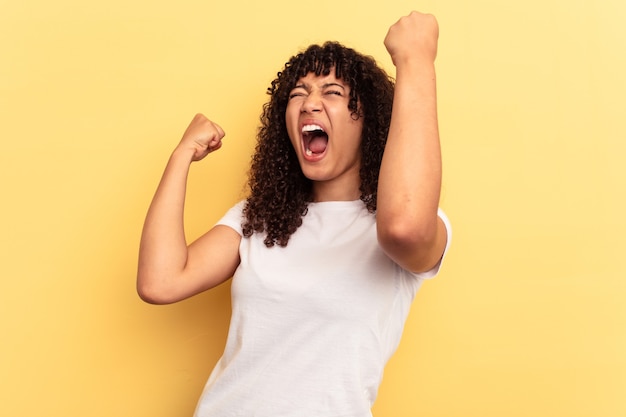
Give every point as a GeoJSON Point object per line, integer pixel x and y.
{"type": "Point", "coordinates": [409, 230]}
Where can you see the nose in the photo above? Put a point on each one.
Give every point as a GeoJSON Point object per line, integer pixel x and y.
{"type": "Point", "coordinates": [312, 103]}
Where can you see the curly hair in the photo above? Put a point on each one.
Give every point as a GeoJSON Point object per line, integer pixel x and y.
{"type": "Point", "coordinates": [279, 191]}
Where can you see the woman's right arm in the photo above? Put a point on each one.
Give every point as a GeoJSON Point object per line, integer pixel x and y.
{"type": "Point", "coordinates": [169, 270]}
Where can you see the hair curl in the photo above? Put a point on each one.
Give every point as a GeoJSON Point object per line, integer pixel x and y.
{"type": "Point", "coordinates": [279, 191]}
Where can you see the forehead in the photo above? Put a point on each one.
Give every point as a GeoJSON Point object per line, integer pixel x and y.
{"type": "Point", "coordinates": [313, 80]}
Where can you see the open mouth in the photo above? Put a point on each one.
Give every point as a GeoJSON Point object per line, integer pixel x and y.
{"type": "Point", "coordinates": [315, 139]}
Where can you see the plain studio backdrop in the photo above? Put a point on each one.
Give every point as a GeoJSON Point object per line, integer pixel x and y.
{"type": "Point", "coordinates": [528, 315]}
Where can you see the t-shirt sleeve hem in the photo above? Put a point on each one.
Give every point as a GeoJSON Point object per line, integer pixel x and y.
{"type": "Point", "coordinates": [233, 218]}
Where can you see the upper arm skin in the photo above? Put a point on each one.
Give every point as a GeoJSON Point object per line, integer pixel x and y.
{"type": "Point", "coordinates": [413, 250]}
{"type": "Point", "coordinates": [211, 260]}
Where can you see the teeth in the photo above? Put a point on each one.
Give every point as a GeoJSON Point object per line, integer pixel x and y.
{"type": "Point", "coordinates": [309, 152]}
{"type": "Point", "coordinates": [311, 128]}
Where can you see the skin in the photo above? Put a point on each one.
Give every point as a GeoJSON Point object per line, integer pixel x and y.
{"type": "Point", "coordinates": [323, 101]}
{"type": "Point", "coordinates": [409, 230]}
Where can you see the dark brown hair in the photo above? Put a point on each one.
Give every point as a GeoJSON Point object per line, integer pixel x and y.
{"type": "Point", "coordinates": [279, 191]}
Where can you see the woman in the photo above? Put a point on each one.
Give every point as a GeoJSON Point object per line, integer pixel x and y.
{"type": "Point", "coordinates": [339, 231]}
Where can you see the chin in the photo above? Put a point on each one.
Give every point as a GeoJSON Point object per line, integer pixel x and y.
{"type": "Point", "coordinates": [314, 174]}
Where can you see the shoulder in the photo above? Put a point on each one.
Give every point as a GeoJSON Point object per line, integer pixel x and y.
{"type": "Point", "coordinates": [233, 218]}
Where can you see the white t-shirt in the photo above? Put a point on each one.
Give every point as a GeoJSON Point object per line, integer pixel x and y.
{"type": "Point", "coordinates": [314, 323]}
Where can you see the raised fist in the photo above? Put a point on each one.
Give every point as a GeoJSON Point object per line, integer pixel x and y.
{"type": "Point", "coordinates": [203, 136]}
{"type": "Point", "coordinates": [413, 37]}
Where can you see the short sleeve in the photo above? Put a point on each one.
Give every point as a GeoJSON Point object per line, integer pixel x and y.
{"type": "Point", "coordinates": [234, 217]}
{"type": "Point", "coordinates": [435, 270]}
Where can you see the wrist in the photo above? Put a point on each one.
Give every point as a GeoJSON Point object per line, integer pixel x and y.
{"type": "Point", "coordinates": [183, 153]}
{"type": "Point", "coordinates": [415, 65]}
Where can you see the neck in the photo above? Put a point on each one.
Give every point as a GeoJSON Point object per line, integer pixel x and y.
{"type": "Point", "coordinates": [331, 191]}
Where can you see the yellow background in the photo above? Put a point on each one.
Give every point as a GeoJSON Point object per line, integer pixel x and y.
{"type": "Point", "coordinates": [528, 316]}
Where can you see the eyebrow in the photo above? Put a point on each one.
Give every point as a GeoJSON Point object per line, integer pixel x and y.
{"type": "Point", "coordinates": [307, 86]}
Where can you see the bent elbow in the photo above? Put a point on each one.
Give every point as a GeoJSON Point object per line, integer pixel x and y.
{"type": "Point", "coordinates": [409, 245]}
{"type": "Point", "coordinates": [146, 296]}
{"type": "Point", "coordinates": [151, 293]}
{"type": "Point", "coordinates": [149, 296]}
{"type": "Point", "coordinates": [403, 235]}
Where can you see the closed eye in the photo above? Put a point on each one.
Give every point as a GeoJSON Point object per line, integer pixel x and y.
{"type": "Point", "coordinates": [299, 90]}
